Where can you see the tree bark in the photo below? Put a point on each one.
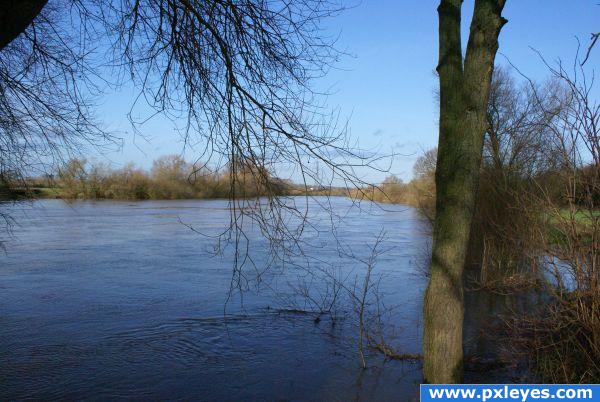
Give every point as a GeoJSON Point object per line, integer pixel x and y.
{"type": "Point", "coordinates": [464, 92]}
{"type": "Point", "coordinates": [16, 16]}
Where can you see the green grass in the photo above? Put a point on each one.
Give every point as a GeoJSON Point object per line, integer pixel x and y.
{"type": "Point", "coordinates": [584, 220]}
{"type": "Point", "coordinates": [581, 217]}
{"type": "Point", "coordinates": [46, 192]}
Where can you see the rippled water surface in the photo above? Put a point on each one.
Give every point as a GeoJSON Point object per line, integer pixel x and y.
{"type": "Point", "coordinates": [121, 300]}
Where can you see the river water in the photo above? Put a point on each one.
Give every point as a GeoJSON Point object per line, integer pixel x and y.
{"type": "Point", "coordinates": [111, 300]}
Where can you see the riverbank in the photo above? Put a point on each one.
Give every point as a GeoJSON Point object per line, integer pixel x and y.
{"type": "Point", "coordinates": [170, 178]}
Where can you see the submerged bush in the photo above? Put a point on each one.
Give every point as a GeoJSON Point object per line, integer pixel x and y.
{"type": "Point", "coordinates": [561, 341]}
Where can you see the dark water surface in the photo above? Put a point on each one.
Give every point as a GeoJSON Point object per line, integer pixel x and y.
{"type": "Point", "coordinates": [107, 300]}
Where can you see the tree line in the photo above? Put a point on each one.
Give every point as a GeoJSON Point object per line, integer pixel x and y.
{"type": "Point", "coordinates": [170, 177]}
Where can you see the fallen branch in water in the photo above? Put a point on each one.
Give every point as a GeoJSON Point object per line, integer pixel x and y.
{"type": "Point", "coordinates": [389, 352]}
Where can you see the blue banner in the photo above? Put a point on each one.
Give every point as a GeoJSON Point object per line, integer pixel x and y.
{"type": "Point", "coordinates": [512, 392]}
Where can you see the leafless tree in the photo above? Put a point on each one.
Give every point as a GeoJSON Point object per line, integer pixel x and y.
{"type": "Point", "coordinates": [235, 77]}
{"type": "Point", "coordinates": [47, 93]}
{"type": "Point", "coordinates": [519, 119]}
{"type": "Point", "coordinates": [562, 338]}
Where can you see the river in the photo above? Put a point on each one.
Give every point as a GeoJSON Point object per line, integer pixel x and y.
{"type": "Point", "coordinates": [121, 300]}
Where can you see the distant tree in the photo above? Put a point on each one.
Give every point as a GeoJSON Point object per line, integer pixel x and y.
{"type": "Point", "coordinates": [392, 189]}
{"type": "Point", "coordinates": [425, 164]}
{"type": "Point", "coordinates": [392, 180]}
{"type": "Point", "coordinates": [422, 187]}
{"type": "Point", "coordinates": [72, 177]}
{"type": "Point", "coordinates": [170, 178]}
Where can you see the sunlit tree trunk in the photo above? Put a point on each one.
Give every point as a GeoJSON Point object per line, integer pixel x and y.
{"type": "Point", "coordinates": [464, 92]}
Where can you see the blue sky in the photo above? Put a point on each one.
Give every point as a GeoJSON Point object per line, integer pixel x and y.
{"type": "Point", "coordinates": [386, 87]}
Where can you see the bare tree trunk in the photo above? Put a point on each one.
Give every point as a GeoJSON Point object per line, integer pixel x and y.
{"type": "Point", "coordinates": [15, 17]}
{"type": "Point", "coordinates": [464, 92]}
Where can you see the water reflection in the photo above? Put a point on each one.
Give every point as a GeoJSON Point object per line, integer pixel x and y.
{"type": "Point", "coordinates": [487, 342]}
